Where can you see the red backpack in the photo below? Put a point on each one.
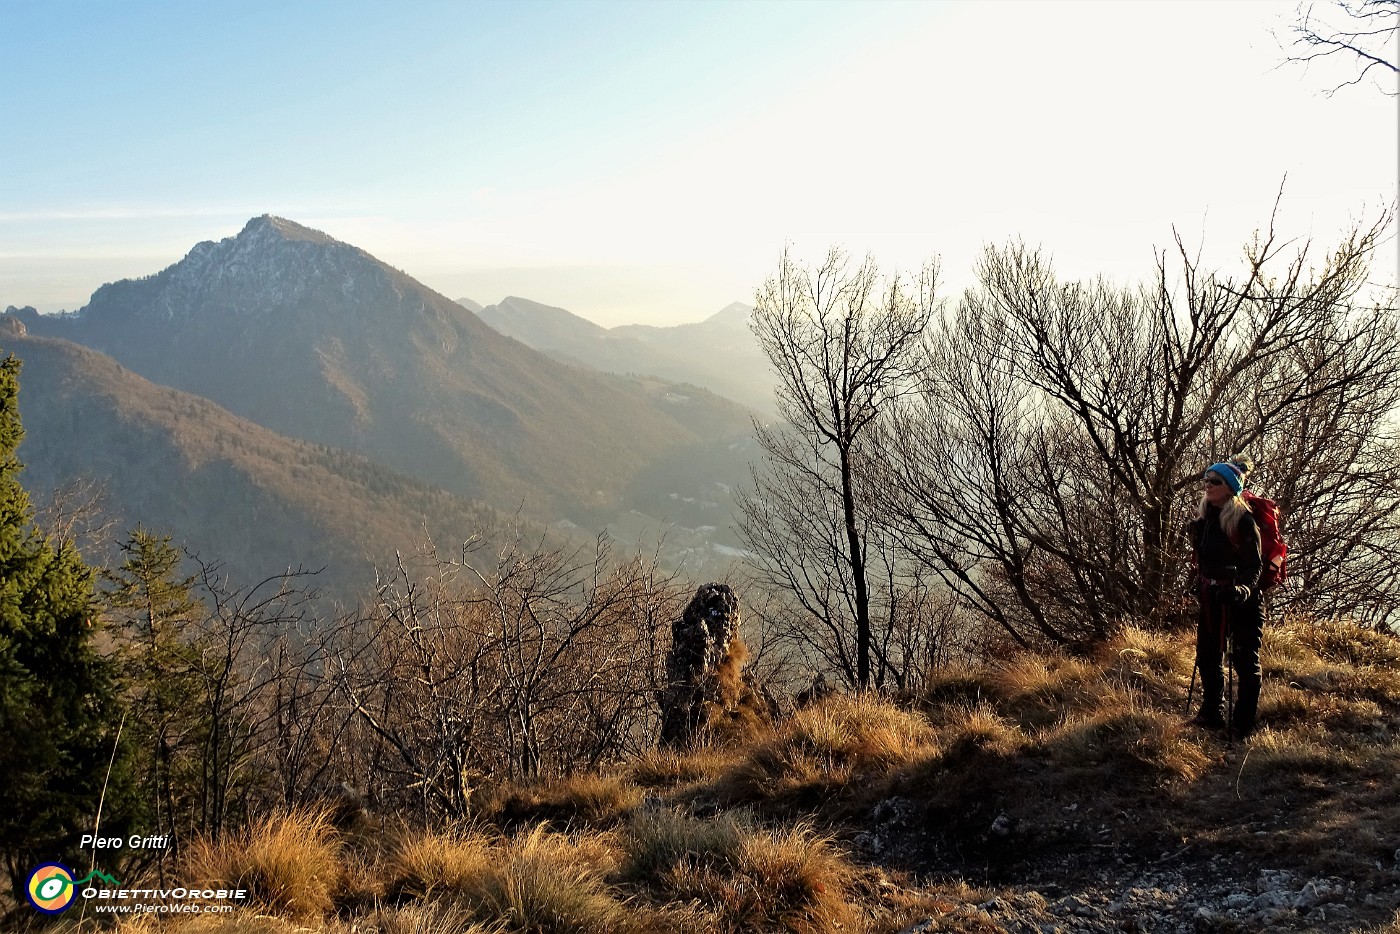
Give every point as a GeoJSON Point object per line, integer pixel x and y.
{"type": "Point", "coordinates": [1271, 544]}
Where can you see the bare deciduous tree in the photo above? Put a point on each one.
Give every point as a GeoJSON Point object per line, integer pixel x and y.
{"type": "Point", "coordinates": [512, 660]}
{"type": "Point", "coordinates": [306, 719]}
{"type": "Point", "coordinates": [236, 675]}
{"type": "Point", "coordinates": [580, 652]}
{"type": "Point", "coordinates": [76, 514]}
{"type": "Point", "coordinates": [844, 344]}
{"type": "Point", "coordinates": [418, 672]}
{"type": "Point", "coordinates": [1363, 32]}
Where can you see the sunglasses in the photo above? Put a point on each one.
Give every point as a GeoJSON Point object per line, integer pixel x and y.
{"type": "Point", "coordinates": [1213, 481]}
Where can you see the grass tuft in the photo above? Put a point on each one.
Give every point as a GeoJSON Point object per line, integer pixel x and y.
{"type": "Point", "coordinates": [425, 865]}
{"type": "Point", "coordinates": [289, 863]}
{"type": "Point", "coordinates": [1347, 643]}
{"type": "Point", "coordinates": [544, 884]}
{"type": "Point", "coordinates": [1275, 755]}
{"type": "Point", "coordinates": [952, 688]}
{"type": "Point", "coordinates": [236, 922]}
{"type": "Point", "coordinates": [657, 841]}
{"type": "Point", "coordinates": [1116, 739]}
{"type": "Point", "coordinates": [825, 747]}
{"type": "Point", "coordinates": [1153, 663]}
{"type": "Point", "coordinates": [755, 879]}
{"type": "Point", "coordinates": [583, 798]}
{"type": "Point", "coordinates": [423, 919]}
{"type": "Point", "coordinates": [978, 730]}
{"type": "Point", "coordinates": [1036, 690]}
{"type": "Point", "coordinates": [668, 768]}
{"type": "Point", "coordinates": [539, 882]}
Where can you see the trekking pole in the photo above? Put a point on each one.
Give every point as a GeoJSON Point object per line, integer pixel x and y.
{"type": "Point", "coordinates": [1229, 640]}
{"type": "Point", "coordinates": [1195, 665]}
{"type": "Point", "coordinates": [1192, 689]}
{"type": "Point", "coordinates": [1227, 651]}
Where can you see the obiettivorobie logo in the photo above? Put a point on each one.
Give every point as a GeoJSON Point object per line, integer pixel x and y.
{"type": "Point", "coordinates": [52, 888]}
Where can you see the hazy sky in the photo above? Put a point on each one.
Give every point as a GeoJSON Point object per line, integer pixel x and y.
{"type": "Point", "coordinates": [649, 161]}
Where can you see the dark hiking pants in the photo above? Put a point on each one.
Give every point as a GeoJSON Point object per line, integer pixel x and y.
{"type": "Point", "coordinates": [1243, 624]}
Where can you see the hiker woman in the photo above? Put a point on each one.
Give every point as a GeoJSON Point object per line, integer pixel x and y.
{"type": "Point", "coordinates": [1225, 539]}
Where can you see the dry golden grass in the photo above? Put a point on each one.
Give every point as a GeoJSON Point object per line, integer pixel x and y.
{"type": "Point", "coordinates": [417, 919]}
{"type": "Point", "coordinates": [656, 841]}
{"type": "Point", "coordinates": [951, 905]}
{"type": "Point", "coordinates": [1288, 755]}
{"type": "Point", "coordinates": [738, 716]}
{"type": "Point", "coordinates": [235, 922]}
{"type": "Point", "coordinates": [1155, 664]}
{"type": "Point", "coordinates": [1037, 690]}
{"type": "Point", "coordinates": [579, 799]}
{"type": "Point", "coordinates": [791, 879]}
{"type": "Point", "coordinates": [976, 761]}
{"type": "Point", "coordinates": [544, 883]}
{"type": "Point", "coordinates": [1118, 739]}
{"type": "Point", "coordinates": [754, 879]}
{"type": "Point", "coordinates": [1346, 643]}
{"type": "Point", "coordinates": [1074, 756]}
{"type": "Point", "coordinates": [1305, 688]}
{"type": "Point", "coordinates": [977, 730]}
{"type": "Point", "coordinates": [1282, 707]}
{"type": "Point", "coordinates": [952, 688]}
{"type": "Point", "coordinates": [823, 748]}
{"type": "Point", "coordinates": [425, 864]}
{"type": "Point", "coordinates": [1150, 650]}
{"type": "Point", "coordinates": [289, 863]}
{"type": "Point", "coordinates": [668, 768]}
{"type": "Point", "coordinates": [408, 919]}
{"type": "Point", "coordinates": [539, 882]}
{"type": "Point", "coordinates": [1334, 657]}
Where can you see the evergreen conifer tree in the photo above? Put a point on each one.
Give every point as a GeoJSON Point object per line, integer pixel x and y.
{"type": "Point", "coordinates": [59, 712]}
{"type": "Point", "coordinates": [152, 610]}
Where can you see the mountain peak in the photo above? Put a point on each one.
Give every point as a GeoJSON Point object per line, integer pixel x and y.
{"type": "Point", "coordinates": [735, 314]}
{"type": "Point", "coordinates": [266, 224]}
{"type": "Point", "coordinates": [272, 269]}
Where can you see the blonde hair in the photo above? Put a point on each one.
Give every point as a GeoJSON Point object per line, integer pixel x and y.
{"type": "Point", "coordinates": [1231, 512]}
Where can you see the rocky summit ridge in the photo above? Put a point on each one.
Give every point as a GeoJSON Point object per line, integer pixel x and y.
{"type": "Point", "coordinates": [271, 263]}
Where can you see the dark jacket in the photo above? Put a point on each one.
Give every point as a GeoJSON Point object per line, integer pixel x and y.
{"type": "Point", "coordinates": [1216, 553]}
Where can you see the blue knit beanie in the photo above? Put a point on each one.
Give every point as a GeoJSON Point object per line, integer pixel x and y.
{"type": "Point", "coordinates": [1230, 474]}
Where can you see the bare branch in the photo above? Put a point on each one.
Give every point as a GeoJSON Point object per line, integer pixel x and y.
{"type": "Point", "coordinates": [1368, 38]}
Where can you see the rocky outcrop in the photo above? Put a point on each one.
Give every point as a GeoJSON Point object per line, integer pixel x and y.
{"type": "Point", "coordinates": [701, 641]}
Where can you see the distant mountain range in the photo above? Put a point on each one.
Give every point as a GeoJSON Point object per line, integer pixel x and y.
{"type": "Point", "coordinates": [230, 490]}
{"type": "Point", "coordinates": [313, 339]}
{"type": "Point", "coordinates": [719, 353]}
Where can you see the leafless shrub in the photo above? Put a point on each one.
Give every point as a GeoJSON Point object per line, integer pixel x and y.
{"type": "Point", "coordinates": [516, 660]}
{"type": "Point", "coordinates": [1047, 465]}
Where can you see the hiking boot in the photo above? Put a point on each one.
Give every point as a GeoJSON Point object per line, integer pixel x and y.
{"type": "Point", "coordinates": [1208, 720]}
